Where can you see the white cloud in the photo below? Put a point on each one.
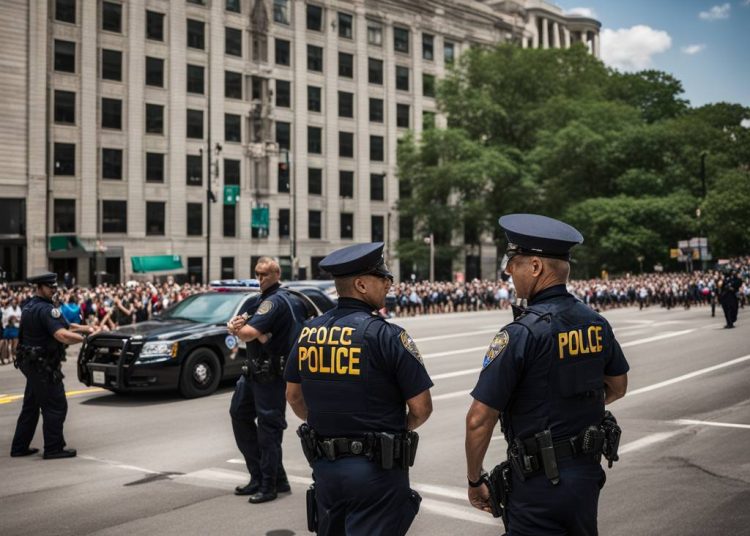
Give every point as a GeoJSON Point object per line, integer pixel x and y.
{"type": "Point", "coordinates": [746, 3]}
{"type": "Point", "coordinates": [585, 12]}
{"type": "Point", "coordinates": [632, 48]}
{"type": "Point", "coordinates": [691, 50]}
{"type": "Point", "coordinates": [717, 12]}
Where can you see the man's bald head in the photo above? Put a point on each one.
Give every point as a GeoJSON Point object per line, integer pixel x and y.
{"type": "Point", "coordinates": [268, 272]}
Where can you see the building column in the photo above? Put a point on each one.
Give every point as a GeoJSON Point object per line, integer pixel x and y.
{"type": "Point", "coordinates": [566, 37]}
{"type": "Point", "coordinates": [597, 44]}
{"type": "Point", "coordinates": [545, 33]}
{"type": "Point", "coordinates": [299, 219]}
{"type": "Point", "coordinates": [88, 190]}
{"type": "Point", "coordinates": [535, 37]}
{"type": "Point", "coordinates": [136, 109]}
{"type": "Point", "coordinates": [556, 35]}
{"type": "Point", "coordinates": [331, 217]}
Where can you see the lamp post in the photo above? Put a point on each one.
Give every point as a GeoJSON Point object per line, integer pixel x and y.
{"type": "Point", "coordinates": [431, 241]}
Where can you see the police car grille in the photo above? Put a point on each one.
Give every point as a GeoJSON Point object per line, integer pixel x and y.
{"type": "Point", "coordinates": [106, 351]}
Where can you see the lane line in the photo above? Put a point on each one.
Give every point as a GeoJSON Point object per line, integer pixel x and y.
{"type": "Point", "coordinates": [455, 374]}
{"type": "Point", "coordinates": [454, 335]}
{"type": "Point", "coordinates": [667, 335]}
{"type": "Point", "coordinates": [709, 423]}
{"type": "Point", "coordinates": [447, 396]}
{"type": "Point", "coordinates": [647, 441]}
{"type": "Point", "coordinates": [119, 465]}
{"type": "Point", "coordinates": [457, 352]}
{"type": "Point", "coordinates": [463, 513]}
{"type": "Point", "coordinates": [7, 399]}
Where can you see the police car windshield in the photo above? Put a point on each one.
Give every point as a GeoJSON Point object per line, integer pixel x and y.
{"type": "Point", "coordinates": [208, 308]}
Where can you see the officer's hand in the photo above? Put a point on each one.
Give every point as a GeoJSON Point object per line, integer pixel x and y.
{"type": "Point", "coordinates": [235, 324]}
{"type": "Point", "coordinates": [480, 498]}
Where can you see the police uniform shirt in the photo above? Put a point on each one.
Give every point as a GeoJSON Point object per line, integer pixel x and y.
{"type": "Point", "coordinates": [274, 317]}
{"type": "Point", "coordinates": [40, 319]}
{"type": "Point", "coordinates": [542, 370]}
{"type": "Point", "coordinates": [356, 383]}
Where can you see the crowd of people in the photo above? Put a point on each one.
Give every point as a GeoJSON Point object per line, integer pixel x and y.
{"type": "Point", "coordinates": [111, 306]}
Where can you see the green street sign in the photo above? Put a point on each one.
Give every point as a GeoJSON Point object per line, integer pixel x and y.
{"type": "Point", "coordinates": [259, 218]}
{"type": "Point", "coordinates": [231, 194]}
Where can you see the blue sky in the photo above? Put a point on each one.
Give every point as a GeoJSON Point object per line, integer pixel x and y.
{"type": "Point", "coordinates": [704, 44]}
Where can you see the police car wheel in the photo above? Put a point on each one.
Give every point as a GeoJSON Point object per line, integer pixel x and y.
{"type": "Point", "coordinates": [200, 374]}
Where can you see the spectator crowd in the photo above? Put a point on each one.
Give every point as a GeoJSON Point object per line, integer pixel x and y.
{"type": "Point", "coordinates": [111, 306]}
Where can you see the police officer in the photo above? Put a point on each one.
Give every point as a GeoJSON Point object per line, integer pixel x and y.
{"type": "Point", "coordinates": [728, 297]}
{"type": "Point", "coordinates": [259, 394]}
{"type": "Point", "coordinates": [547, 376]}
{"type": "Point", "coordinates": [44, 332]}
{"type": "Point", "coordinates": [351, 377]}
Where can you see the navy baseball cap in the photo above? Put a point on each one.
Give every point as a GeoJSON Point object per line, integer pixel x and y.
{"type": "Point", "coordinates": [358, 259]}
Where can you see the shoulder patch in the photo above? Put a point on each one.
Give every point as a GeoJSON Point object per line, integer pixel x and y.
{"type": "Point", "coordinates": [55, 312]}
{"type": "Point", "coordinates": [497, 346]}
{"type": "Point", "coordinates": [410, 346]}
{"type": "Point", "coordinates": [266, 306]}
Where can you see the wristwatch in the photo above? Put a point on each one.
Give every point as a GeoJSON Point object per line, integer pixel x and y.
{"type": "Point", "coordinates": [482, 480]}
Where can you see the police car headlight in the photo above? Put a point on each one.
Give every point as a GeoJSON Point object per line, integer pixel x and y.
{"type": "Point", "coordinates": [158, 349]}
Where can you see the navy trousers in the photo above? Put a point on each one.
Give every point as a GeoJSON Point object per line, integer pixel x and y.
{"type": "Point", "coordinates": [537, 508]}
{"type": "Point", "coordinates": [356, 497]}
{"type": "Point", "coordinates": [260, 443]}
{"type": "Point", "coordinates": [45, 395]}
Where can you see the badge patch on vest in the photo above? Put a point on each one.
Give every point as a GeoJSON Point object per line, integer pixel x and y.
{"type": "Point", "coordinates": [410, 346]}
{"type": "Point", "coordinates": [264, 307]}
{"type": "Point", "coordinates": [497, 346]}
{"type": "Point", "coordinates": [55, 312]}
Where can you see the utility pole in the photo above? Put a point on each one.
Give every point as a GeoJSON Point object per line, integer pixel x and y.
{"type": "Point", "coordinates": [431, 241]}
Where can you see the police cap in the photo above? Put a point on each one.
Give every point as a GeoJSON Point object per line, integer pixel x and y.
{"type": "Point", "coordinates": [359, 259]}
{"type": "Point", "coordinates": [531, 234]}
{"type": "Point", "coordinates": [47, 278]}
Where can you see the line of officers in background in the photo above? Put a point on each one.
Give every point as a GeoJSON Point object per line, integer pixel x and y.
{"type": "Point", "coordinates": [360, 387]}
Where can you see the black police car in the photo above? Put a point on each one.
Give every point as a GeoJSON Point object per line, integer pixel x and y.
{"type": "Point", "coordinates": [187, 347]}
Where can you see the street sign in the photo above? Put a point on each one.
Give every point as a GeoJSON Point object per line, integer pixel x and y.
{"type": "Point", "coordinates": [674, 253]}
{"type": "Point", "coordinates": [231, 194]}
{"type": "Point", "coordinates": [259, 218]}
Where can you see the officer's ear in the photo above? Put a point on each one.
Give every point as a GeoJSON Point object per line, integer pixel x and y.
{"type": "Point", "coordinates": [537, 266]}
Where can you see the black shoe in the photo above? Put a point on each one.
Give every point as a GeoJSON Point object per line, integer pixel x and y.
{"type": "Point", "coordinates": [250, 489]}
{"type": "Point", "coordinates": [26, 452]}
{"type": "Point", "coordinates": [262, 496]}
{"type": "Point", "coordinates": [64, 453]}
{"type": "Point", "coordinates": [283, 486]}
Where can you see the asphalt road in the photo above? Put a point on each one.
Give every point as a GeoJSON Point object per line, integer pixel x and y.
{"type": "Point", "coordinates": [158, 464]}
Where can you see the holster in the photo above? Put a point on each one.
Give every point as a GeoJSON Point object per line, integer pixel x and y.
{"type": "Point", "coordinates": [612, 433]}
{"type": "Point", "coordinates": [261, 369]}
{"type": "Point", "coordinates": [312, 509]}
{"type": "Point", "coordinates": [499, 484]}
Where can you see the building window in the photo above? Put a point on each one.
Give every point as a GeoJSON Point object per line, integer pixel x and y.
{"type": "Point", "coordinates": [114, 216]}
{"type": "Point", "coordinates": [374, 33]}
{"type": "Point", "coordinates": [65, 56]}
{"type": "Point", "coordinates": [449, 52]}
{"type": "Point", "coordinates": [376, 110]}
{"type": "Point", "coordinates": [195, 79]}
{"type": "Point", "coordinates": [314, 58]}
{"type": "Point", "coordinates": [195, 124]}
{"type": "Point", "coordinates": [154, 167]}
{"type": "Point", "coordinates": [154, 119]}
{"type": "Point", "coordinates": [375, 71]}
{"type": "Point", "coordinates": [314, 101]}
{"type": "Point", "coordinates": [402, 115]}
{"type": "Point", "coordinates": [227, 267]}
{"type": "Point", "coordinates": [232, 85]}
{"type": "Point", "coordinates": [154, 72]}
{"type": "Point", "coordinates": [230, 220]}
{"type": "Point", "coordinates": [346, 184]}
{"type": "Point", "coordinates": [65, 11]}
{"type": "Point", "coordinates": [428, 85]}
{"type": "Point", "coordinates": [315, 181]}
{"type": "Point", "coordinates": [377, 187]}
{"type": "Point", "coordinates": [281, 11]}
{"type": "Point", "coordinates": [376, 148]}
{"type": "Point", "coordinates": [154, 25]}
{"type": "Point", "coordinates": [377, 224]}
{"type": "Point", "coordinates": [405, 228]}
{"type": "Point", "coordinates": [111, 17]}
{"type": "Point", "coordinates": [111, 113]}
{"type": "Point", "coordinates": [194, 169]}
{"type": "Point", "coordinates": [284, 223]}
{"type": "Point", "coordinates": [155, 218]}
{"type": "Point", "coordinates": [281, 52]}
{"type": "Point", "coordinates": [428, 47]}
{"type": "Point", "coordinates": [314, 140]}
{"type": "Point", "coordinates": [314, 18]}
{"type": "Point", "coordinates": [346, 65]}
{"type": "Point", "coordinates": [233, 42]}
{"type": "Point", "coordinates": [231, 172]}
{"type": "Point", "coordinates": [283, 135]}
{"type": "Point", "coordinates": [346, 104]}
{"type": "Point", "coordinates": [232, 5]}
{"type": "Point", "coordinates": [65, 107]}
{"type": "Point", "coordinates": [194, 219]}
{"type": "Point", "coordinates": [196, 30]}
{"type": "Point", "coordinates": [400, 39]}
{"type": "Point", "coordinates": [313, 224]}
{"type": "Point", "coordinates": [347, 225]}
{"type": "Point", "coordinates": [111, 65]}
{"type": "Point", "coordinates": [65, 216]}
{"type": "Point", "coordinates": [65, 159]}
{"type": "Point", "coordinates": [402, 78]}
{"type": "Point", "coordinates": [233, 127]}
{"type": "Point", "coordinates": [428, 120]}
{"type": "Point", "coordinates": [112, 164]}
{"type": "Point", "coordinates": [346, 144]}
{"type": "Point", "coordinates": [283, 178]}
{"type": "Point", "coordinates": [346, 26]}
{"type": "Point", "coordinates": [283, 94]}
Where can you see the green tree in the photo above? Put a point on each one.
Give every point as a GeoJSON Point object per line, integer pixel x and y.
{"type": "Point", "coordinates": [655, 93]}
{"type": "Point", "coordinates": [726, 213]}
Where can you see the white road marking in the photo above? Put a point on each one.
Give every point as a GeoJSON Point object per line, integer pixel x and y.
{"type": "Point", "coordinates": [449, 492]}
{"type": "Point", "coordinates": [464, 513]}
{"type": "Point", "coordinates": [454, 335]}
{"type": "Point", "coordinates": [709, 423]}
{"type": "Point", "coordinates": [647, 441]}
{"type": "Point", "coordinates": [456, 373]}
{"type": "Point", "coordinates": [446, 396]}
{"type": "Point", "coordinates": [457, 352]}
{"type": "Point", "coordinates": [120, 465]}
{"type": "Point", "coordinates": [237, 460]}
{"type": "Point", "coordinates": [667, 335]}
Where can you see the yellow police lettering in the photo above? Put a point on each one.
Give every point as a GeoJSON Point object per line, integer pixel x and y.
{"type": "Point", "coordinates": [341, 352]}
{"type": "Point", "coordinates": [301, 356]}
{"type": "Point", "coordinates": [354, 361]}
{"type": "Point", "coordinates": [304, 333]}
{"type": "Point", "coordinates": [333, 330]}
{"type": "Point", "coordinates": [346, 332]}
{"type": "Point", "coordinates": [312, 351]}
{"type": "Point", "coordinates": [320, 336]}
{"type": "Point", "coordinates": [578, 342]}
{"type": "Point", "coordinates": [562, 341]}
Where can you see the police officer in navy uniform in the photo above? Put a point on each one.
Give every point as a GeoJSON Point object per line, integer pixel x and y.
{"type": "Point", "coordinates": [44, 332]}
{"type": "Point", "coordinates": [270, 333]}
{"type": "Point", "coordinates": [547, 377]}
{"type": "Point", "coordinates": [351, 377]}
{"type": "Point", "coordinates": [730, 304]}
